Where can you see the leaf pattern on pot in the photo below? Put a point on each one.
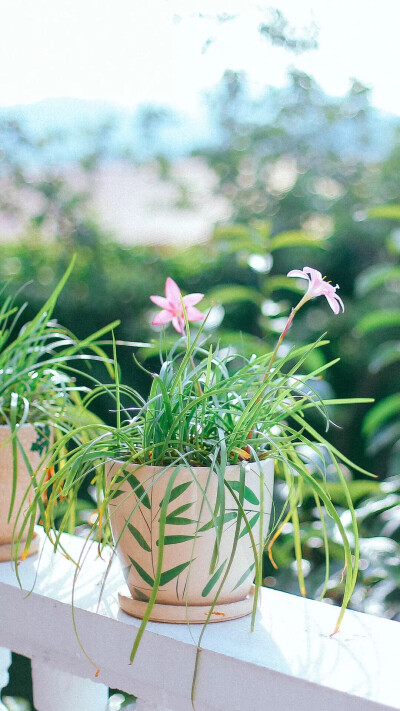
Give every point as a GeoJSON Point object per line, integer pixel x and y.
{"type": "Point", "coordinates": [249, 495]}
{"type": "Point", "coordinates": [140, 595]}
{"type": "Point", "coordinates": [214, 579]}
{"type": "Point", "coordinates": [216, 522]}
{"type": "Point", "coordinates": [138, 537]}
{"type": "Point", "coordinates": [135, 485]}
{"type": "Point", "coordinates": [172, 540]}
{"type": "Point", "coordinates": [244, 576]}
{"type": "Point", "coordinates": [145, 576]}
{"type": "Point", "coordinates": [252, 523]}
{"type": "Point", "coordinates": [172, 573]}
{"type": "Point", "coordinates": [177, 491]}
{"type": "Point", "coordinates": [175, 519]}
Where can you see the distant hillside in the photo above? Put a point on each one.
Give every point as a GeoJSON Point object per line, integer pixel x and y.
{"type": "Point", "coordinates": [69, 129]}
{"type": "Point", "coordinates": [73, 127]}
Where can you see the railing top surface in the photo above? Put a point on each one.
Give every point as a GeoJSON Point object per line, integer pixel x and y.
{"type": "Point", "coordinates": [290, 648]}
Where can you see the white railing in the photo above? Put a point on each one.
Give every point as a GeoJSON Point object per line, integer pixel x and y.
{"type": "Point", "coordinates": [289, 662]}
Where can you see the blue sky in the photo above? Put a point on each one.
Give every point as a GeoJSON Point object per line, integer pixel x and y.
{"type": "Point", "coordinates": [130, 52]}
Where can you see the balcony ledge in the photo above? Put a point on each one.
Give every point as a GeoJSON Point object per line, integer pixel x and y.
{"type": "Point", "coordinates": [289, 661]}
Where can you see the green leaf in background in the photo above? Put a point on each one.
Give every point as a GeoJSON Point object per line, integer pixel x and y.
{"type": "Point", "coordinates": [251, 238]}
{"type": "Point", "coordinates": [381, 412]}
{"type": "Point", "coordinates": [358, 488]}
{"type": "Point", "coordinates": [294, 238]}
{"type": "Point", "coordinates": [376, 276]}
{"type": "Point", "coordinates": [384, 437]}
{"type": "Point", "coordinates": [233, 294]}
{"type": "Point", "coordinates": [15, 703]}
{"type": "Point", "coordinates": [390, 212]}
{"type": "Point", "coordinates": [273, 283]}
{"type": "Point", "coordinates": [378, 319]}
{"type": "Point", "coordinates": [385, 355]}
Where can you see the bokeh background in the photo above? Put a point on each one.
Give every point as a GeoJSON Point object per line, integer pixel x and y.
{"type": "Point", "coordinates": [221, 146]}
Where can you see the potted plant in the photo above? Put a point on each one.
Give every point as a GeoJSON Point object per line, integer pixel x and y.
{"type": "Point", "coordinates": [39, 400]}
{"type": "Point", "coordinates": [186, 475]}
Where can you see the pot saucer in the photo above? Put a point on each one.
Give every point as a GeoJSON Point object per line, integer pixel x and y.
{"type": "Point", "coordinates": [6, 549]}
{"type": "Point", "coordinates": [183, 614]}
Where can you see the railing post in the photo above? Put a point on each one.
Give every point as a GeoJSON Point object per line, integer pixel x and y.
{"type": "Point", "coordinates": [56, 689]}
{"type": "Point", "coordinates": [5, 662]}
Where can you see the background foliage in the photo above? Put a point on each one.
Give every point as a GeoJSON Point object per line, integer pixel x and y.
{"type": "Point", "coordinates": [307, 185]}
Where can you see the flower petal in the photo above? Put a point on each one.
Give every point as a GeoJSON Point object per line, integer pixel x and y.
{"type": "Point", "coordinates": [162, 317]}
{"type": "Point", "coordinates": [172, 292]}
{"type": "Point", "coordinates": [194, 314]}
{"type": "Point", "coordinates": [192, 299]}
{"type": "Point", "coordinates": [340, 301]}
{"type": "Point", "coordinates": [315, 275]}
{"type": "Point", "coordinates": [178, 324]}
{"type": "Point", "coordinates": [297, 273]}
{"type": "Point", "coordinates": [160, 301]}
{"type": "Point", "coordinates": [333, 303]}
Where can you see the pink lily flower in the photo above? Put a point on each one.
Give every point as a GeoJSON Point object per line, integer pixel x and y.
{"type": "Point", "coordinates": [172, 309]}
{"type": "Point", "coordinates": [317, 286]}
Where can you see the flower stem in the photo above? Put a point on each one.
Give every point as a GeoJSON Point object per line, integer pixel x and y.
{"type": "Point", "coordinates": [280, 339]}
{"type": "Point", "coordinates": [284, 332]}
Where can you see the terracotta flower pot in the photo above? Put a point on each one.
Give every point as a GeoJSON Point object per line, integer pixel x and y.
{"type": "Point", "coordinates": [32, 443]}
{"type": "Point", "coordinates": [191, 570]}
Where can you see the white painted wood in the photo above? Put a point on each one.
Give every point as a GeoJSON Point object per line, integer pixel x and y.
{"type": "Point", "coordinates": [5, 662]}
{"type": "Point", "coordinates": [288, 662]}
{"type": "Point", "coordinates": [55, 689]}
{"type": "Point", "coordinates": [145, 706]}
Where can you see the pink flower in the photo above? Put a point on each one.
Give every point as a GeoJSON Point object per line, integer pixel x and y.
{"type": "Point", "coordinates": [317, 286]}
{"type": "Point", "coordinates": [171, 307]}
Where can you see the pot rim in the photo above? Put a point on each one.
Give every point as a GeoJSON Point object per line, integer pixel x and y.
{"type": "Point", "coordinates": [158, 468]}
